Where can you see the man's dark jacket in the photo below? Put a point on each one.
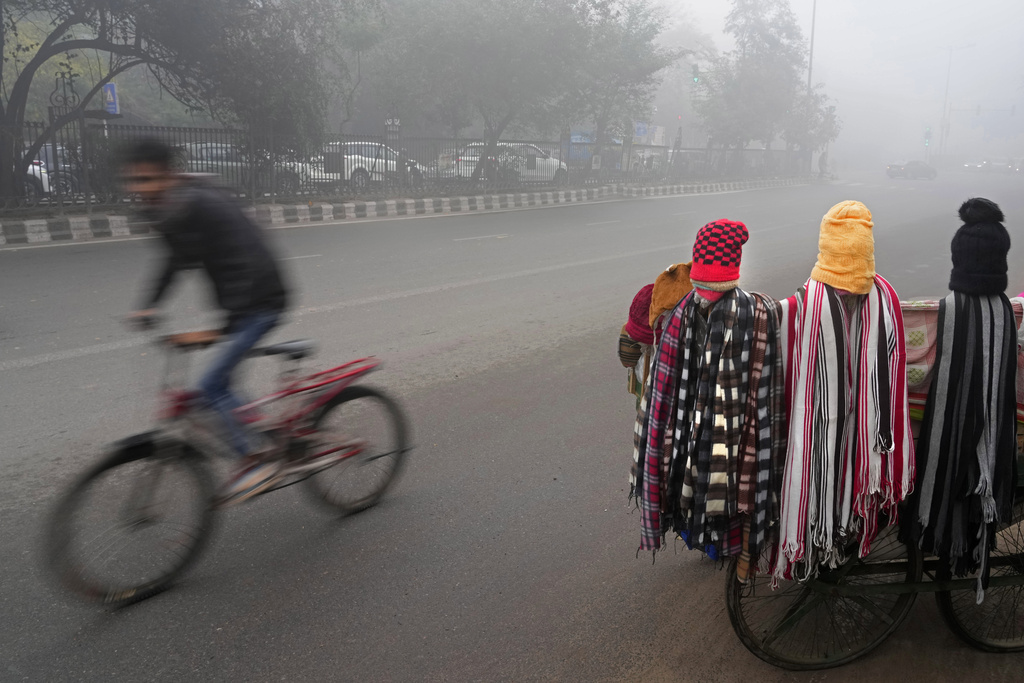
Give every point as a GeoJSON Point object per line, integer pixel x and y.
{"type": "Point", "coordinates": [205, 228]}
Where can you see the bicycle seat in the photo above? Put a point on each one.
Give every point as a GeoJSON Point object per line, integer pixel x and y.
{"type": "Point", "coordinates": [295, 349]}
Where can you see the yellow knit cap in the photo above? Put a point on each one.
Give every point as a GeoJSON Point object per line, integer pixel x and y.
{"type": "Point", "coordinates": [846, 248]}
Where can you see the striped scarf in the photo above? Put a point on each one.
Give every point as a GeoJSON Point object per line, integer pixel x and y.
{"type": "Point", "coordinates": [967, 448]}
{"type": "Point", "coordinates": [850, 451]}
{"type": "Point", "coordinates": [718, 379]}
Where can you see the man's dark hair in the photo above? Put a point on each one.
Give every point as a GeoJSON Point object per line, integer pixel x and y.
{"type": "Point", "coordinates": [150, 151]}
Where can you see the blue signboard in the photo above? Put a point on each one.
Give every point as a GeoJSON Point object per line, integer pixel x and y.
{"type": "Point", "coordinates": [110, 102]}
{"type": "Point", "coordinates": [641, 130]}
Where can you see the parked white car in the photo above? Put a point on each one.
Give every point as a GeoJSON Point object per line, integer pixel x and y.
{"type": "Point", "coordinates": [518, 161]}
{"type": "Point", "coordinates": [362, 164]}
{"type": "Point", "coordinates": [37, 181]}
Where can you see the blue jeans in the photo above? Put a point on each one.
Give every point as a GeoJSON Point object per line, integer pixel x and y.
{"type": "Point", "coordinates": [216, 381]}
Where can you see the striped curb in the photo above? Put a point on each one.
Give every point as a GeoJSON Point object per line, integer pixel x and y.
{"type": "Point", "coordinates": [86, 228]}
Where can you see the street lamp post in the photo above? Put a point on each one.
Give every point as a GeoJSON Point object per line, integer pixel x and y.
{"type": "Point", "coordinates": [810, 57]}
{"type": "Point", "coordinates": [810, 67]}
{"type": "Point", "coordinates": [945, 100]}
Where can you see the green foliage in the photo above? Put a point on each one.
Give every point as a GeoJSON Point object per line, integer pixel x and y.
{"type": "Point", "coordinates": [811, 122]}
{"type": "Point", "coordinates": [259, 62]}
{"type": "Point", "coordinates": [619, 67]}
{"type": "Point", "coordinates": [756, 92]}
{"type": "Point", "coordinates": [529, 65]}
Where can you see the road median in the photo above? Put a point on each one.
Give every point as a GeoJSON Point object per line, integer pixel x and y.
{"type": "Point", "coordinates": [15, 232]}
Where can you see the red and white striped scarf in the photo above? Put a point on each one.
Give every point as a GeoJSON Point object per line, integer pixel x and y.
{"type": "Point", "coordinates": [850, 454]}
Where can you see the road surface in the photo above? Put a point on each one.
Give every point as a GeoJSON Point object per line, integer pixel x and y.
{"type": "Point", "coordinates": [508, 549]}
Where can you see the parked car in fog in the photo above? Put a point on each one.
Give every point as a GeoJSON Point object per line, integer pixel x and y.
{"type": "Point", "coordinates": [362, 164]}
{"type": "Point", "coordinates": [236, 169]}
{"type": "Point", "coordinates": [514, 161]}
{"type": "Point", "coordinates": [37, 181]}
{"type": "Point", "coordinates": [910, 169]}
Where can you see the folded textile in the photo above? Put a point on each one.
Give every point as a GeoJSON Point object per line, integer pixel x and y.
{"type": "Point", "coordinates": [717, 377]}
{"type": "Point", "coordinates": [850, 450]}
{"type": "Point", "coordinates": [967, 449]}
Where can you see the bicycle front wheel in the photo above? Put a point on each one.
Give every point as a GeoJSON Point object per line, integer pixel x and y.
{"type": "Point", "coordinates": [133, 523]}
{"type": "Point", "coordinates": [370, 432]}
{"type": "Point", "coordinates": [825, 622]}
{"type": "Point", "coordinates": [997, 624]}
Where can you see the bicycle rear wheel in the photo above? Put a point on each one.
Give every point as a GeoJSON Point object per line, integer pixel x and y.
{"type": "Point", "coordinates": [807, 626]}
{"type": "Point", "coordinates": [997, 624]}
{"type": "Point", "coordinates": [367, 423]}
{"type": "Point", "coordinates": [133, 523]}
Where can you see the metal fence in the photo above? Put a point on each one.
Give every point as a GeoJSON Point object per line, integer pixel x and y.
{"type": "Point", "coordinates": [74, 169]}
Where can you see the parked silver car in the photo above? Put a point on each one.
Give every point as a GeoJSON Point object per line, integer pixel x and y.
{"type": "Point", "coordinates": [237, 170]}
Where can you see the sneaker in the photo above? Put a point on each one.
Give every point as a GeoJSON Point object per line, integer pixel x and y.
{"type": "Point", "coordinates": [250, 480]}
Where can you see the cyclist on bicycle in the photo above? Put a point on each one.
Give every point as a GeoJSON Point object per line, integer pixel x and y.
{"type": "Point", "coordinates": [203, 228]}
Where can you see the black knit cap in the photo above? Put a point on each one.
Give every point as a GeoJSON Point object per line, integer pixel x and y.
{"type": "Point", "coordinates": [979, 249]}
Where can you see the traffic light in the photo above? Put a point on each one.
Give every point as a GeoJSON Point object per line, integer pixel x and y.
{"type": "Point", "coordinates": [977, 110]}
{"type": "Point", "coordinates": [927, 136]}
{"type": "Point", "coordinates": [696, 73]}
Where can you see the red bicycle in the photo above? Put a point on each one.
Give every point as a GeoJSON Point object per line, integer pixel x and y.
{"type": "Point", "coordinates": [135, 521]}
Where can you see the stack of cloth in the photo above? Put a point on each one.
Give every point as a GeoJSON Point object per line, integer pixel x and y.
{"type": "Point", "coordinates": [967, 451]}
{"type": "Point", "coordinates": [711, 439]}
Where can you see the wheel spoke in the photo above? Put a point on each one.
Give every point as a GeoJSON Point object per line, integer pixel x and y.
{"type": "Point", "coordinates": [808, 626]}
{"type": "Point", "coordinates": [131, 525]}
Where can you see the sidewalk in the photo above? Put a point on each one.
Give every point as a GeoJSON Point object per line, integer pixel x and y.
{"type": "Point", "coordinates": [97, 227]}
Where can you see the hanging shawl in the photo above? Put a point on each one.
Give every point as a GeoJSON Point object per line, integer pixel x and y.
{"type": "Point", "coordinates": [710, 429]}
{"type": "Point", "coordinates": [967, 449]}
{"type": "Point", "coordinates": [850, 451]}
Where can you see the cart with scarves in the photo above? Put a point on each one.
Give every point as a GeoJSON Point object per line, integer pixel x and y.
{"type": "Point", "coordinates": [842, 614]}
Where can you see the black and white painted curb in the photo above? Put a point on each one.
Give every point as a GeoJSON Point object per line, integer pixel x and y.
{"type": "Point", "coordinates": [86, 228]}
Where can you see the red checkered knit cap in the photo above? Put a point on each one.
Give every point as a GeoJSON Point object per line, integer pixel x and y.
{"type": "Point", "coordinates": [717, 251]}
{"type": "Point", "coordinates": [638, 327]}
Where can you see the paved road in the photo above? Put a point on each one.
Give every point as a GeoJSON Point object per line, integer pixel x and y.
{"type": "Point", "coordinates": [507, 550]}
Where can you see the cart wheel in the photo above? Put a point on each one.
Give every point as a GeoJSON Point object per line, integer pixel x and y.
{"type": "Point", "coordinates": [806, 626]}
{"type": "Point", "coordinates": [997, 624]}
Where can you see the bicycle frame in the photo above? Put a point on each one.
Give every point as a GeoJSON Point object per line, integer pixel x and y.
{"type": "Point", "coordinates": [323, 386]}
{"type": "Point", "coordinates": [177, 403]}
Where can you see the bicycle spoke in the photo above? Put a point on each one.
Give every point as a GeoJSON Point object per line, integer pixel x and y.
{"type": "Point", "coordinates": [132, 526]}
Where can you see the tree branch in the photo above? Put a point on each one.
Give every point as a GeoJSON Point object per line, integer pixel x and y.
{"type": "Point", "coordinates": [75, 113]}
{"type": "Point", "coordinates": [20, 92]}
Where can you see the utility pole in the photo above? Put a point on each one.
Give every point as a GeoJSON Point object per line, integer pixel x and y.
{"type": "Point", "coordinates": [810, 58]}
{"type": "Point", "coordinates": [944, 129]}
{"type": "Point", "coordinates": [810, 67]}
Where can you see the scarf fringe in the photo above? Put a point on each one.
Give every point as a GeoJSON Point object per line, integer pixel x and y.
{"type": "Point", "coordinates": [968, 440]}
{"type": "Point", "coordinates": [850, 452]}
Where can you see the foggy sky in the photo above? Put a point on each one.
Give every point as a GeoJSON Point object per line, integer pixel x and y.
{"type": "Point", "coordinates": [884, 63]}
